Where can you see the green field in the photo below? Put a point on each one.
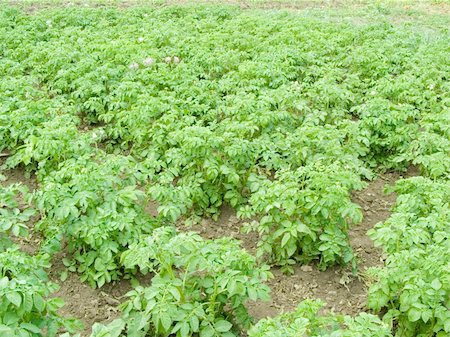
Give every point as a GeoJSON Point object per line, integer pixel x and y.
{"type": "Point", "coordinates": [125, 125]}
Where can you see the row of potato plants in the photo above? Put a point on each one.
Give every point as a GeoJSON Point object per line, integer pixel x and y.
{"type": "Point", "coordinates": [411, 125]}
{"type": "Point", "coordinates": [411, 291]}
{"type": "Point", "coordinates": [193, 162]}
{"type": "Point", "coordinates": [200, 289]}
{"type": "Point", "coordinates": [26, 308]}
{"type": "Point", "coordinates": [93, 203]}
{"type": "Point", "coordinates": [280, 121]}
{"type": "Point", "coordinates": [305, 321]}
{"type": "Point", "coordinates": [414, 286]}
{"type": "Point", "coordinates": [198, 286]}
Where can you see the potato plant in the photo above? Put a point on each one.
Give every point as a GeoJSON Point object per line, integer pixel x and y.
{"type": "Point", "coordinates": [96, 206]}
{"type": "Point", "coordinates": [26, 306]}
{"type": "Point", "coordinates": [414, 284]}
{"type": "Point", "coordinates": [279, 114]}
{"type": "Point", "coordinates": [307, 215]}
{"type": "Point", "coordinates": [200, 286]}
{"type": "Point", "coordinates": [27, 309]}
{"type": "Point", "coordinates": [307, 321]}
{"type": "Point", "coordinates": [52, 143]}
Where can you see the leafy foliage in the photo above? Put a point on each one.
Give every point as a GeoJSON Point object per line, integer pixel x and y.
{"type": "Point", "coordinates": [52, 143]}
{"type": "Point", "coordinates": [273, 96]}
{"type": "Point", "coordinates": [391, 129]}
{"type": "Point", "coordinates": [200, 286]}
{"type": "Point", "coordinates": [96, 205]}
{"type": "Point", "coordinates": [306, 321]}
{"type": "Point", "coordinates": [306, 214]}
{"type": "Point", "coordinates": [278, 115]}
{"type": "Point", "coordinates": [26, 308]}
{"type": "Point", "coordinates": [414, 285]}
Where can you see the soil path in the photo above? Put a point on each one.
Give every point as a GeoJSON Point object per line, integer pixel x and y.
{"type": "Point", "coordinates": [336, 286]}
{"type": "Point", "coordinates": [342, 292]}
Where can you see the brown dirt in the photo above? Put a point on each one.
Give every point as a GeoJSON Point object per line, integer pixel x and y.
{"type": "Point", "coordinates": [343, 292]}
{"type": "Point", "coordinates": [18, 175]}
{"type": "Point", "coordinates": [376, 207]}
{"type": "Point", "coordinates": [81, 301]}
{"type": "Point", "coordinates": [85, 303]}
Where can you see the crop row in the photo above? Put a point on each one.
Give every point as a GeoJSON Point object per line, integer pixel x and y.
{"type": "Point", "coordinates": [281, 119]}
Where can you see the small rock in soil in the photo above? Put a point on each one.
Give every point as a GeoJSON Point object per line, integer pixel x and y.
{"type": "Point", "coordinates": [306, 268]}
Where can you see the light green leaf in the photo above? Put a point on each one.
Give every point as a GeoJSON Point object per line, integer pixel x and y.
{"type": "Point", "coordinates": [414, 314]}
{"type": "Point", "coordinates": [222, 326]}
{"type": "Point", "coordinates": [15, 298]}
{"type": "Point", "coordinates": [207, 331]}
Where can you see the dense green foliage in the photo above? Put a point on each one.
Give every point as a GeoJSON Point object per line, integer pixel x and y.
{"type": "Point", "coordinates": [415, 284]}
{"type": "Point", "coordinates": [280, 115]}
{"type": "Point", "coordinates": [306, 321]}
{"type": "Point", "coordinates": [26, 310]}
{"type": "Point", "coordinates": [98, 208]}
{"type": "Point", "coordinates": [199, 286]}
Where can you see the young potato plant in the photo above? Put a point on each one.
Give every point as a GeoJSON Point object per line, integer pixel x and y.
{"type": "Point", "coordinates": [306, 215]}
{"type": "Point", "coordinates": [13, 215]}
{"type": "Point", "coordinates": [113, 329]}
{"type": "Point", "coordinates": [431, 151]}
{"type": "Point", "coordinates": [414, 285]}
{"type": "Point", "coordinates": [306, 321]}
{"type": "Point", "coordinates": [22, 109]}
{"type": "Point", "coordinates": [26, 309]}
{"type": "Point", "coordinates": [391, 129]}
{"type": "Point", "coordinates": [200, 286]}
{"type": "Point", "coordinates": [51, 144]}
{"type": "Point", "coordinates": [95, 205]}
{"type": "Point", "coordinates": [208, 178]}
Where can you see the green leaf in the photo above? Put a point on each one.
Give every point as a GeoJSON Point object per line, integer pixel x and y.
{"type": "Point", "coordinates": [4, 282]}
{"type": "Point", "coordinates": [64, 275]}
{"type": "Point", "coordinates": [30, 327]}
{"type": "Point", "coordinates": [175, 293]}
{"type": "Point", "coordinates": [14, 298]}
{"type": "Point", "coordinates": [184, 331]}
{"type": "Point", "coordinates": [99, 265]}
{"type": "Point", "coordinates": [436, 284]}
{"type": "Point", "coordinates": [39, 303]}
{"type": "Point", "coordinates": [5, 328]}
{"type": "Point", "coordinates": [207, 331]}
{"type": "Point", "coordinates": [194, 323]}
{"type": "Point", "coordinates": [285, 239]}
{"type": "Point", "coordinates": [414, 314]}
{"type": "Point", "coordinates": [222, 326]}
{"type": "Point", "coordinates": [426, 315]}
{"type": "Point", "coordinates": [166, 321]}
{"type": "Point", "coordinates": [252, 294]}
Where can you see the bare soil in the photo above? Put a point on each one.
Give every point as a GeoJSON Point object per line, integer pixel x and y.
{"type": "Point", "coordinates": [343, 292]}
{"type": "Point", "coordinates": [81, 301]}
{"type": "Point", "coordinates": [85, 303]}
